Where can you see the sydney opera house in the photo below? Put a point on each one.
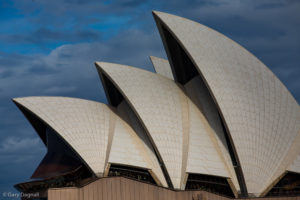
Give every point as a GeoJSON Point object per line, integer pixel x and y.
{"type": "Point", "coordinates": [212, 122]}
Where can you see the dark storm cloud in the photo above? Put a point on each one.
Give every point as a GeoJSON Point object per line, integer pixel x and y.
{"type": "Point", "coordinates": [270, 5]}
{"type": "Point", "coordinates": [6, 73]}
{"type": "Point", "coordinates": [130, 3]}
{"type": "Point", "coordinates": [274, 4]}
{"type": "Point", "coordinates": [12, 59]}
{"type": "Point", "coordinates": [40, 69]}
{"type": "Point", "coordinates": [248, 28]}
{"type": "Point", "coordinates": [73, 64]}
{"type": "Point", "coordinates": [45, 35]}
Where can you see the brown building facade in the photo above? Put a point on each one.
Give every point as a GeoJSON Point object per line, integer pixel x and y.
{"type": "Point", "coordinates": [120, 188]}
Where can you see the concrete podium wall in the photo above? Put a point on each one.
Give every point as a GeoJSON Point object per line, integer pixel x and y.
{"type": "Point", "coordinates": [119, 188]}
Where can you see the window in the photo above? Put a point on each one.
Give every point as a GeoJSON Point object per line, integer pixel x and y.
{"type": "Point", "coordinates": [131, 172]}
{"type": "Point", "coordinates": [213, 184]}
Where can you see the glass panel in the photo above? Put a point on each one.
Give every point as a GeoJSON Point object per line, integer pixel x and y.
{"type": "Point", "coordinates": [131, 172]}
{"type": "Point", "coordinates": [213, 184]}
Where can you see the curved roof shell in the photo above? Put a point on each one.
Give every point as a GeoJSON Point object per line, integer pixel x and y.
{"type": "Point", "coordinates": [178, 129]}
{"type": "Point", "coordinates": [162, 67]}
{"type": "Point", "coordinates": [200, 124]}
{"type": "Point", "coordinates": [83, 124]}
{"type": "Point", "coordinates": [94, 132]}
{"type": "Point", "coordinates": [260, 114]}
{"type": "Point", "coordinates": [160, 106]}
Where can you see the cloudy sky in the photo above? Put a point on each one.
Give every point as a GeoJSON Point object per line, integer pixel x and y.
{"type": "Point", "coordinates": [49, 47]}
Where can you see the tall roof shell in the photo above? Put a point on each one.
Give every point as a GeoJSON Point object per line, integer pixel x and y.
{"type": "Point", "coordinates": [207, 121]}
{"type": "Point", "coordinates": [172, 121]}
{"type": "Point", "coordinates": [160, 105]}
{"type": "Point", "coordinates": [201, 124]}
{"type": "Point", "coordinates": [260, 114]}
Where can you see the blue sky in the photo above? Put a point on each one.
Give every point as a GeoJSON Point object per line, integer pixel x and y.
{"type": "Point", "coordinates": [49, 47]}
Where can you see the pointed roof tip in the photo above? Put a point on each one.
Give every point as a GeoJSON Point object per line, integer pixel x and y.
{"type": "Point", "coordinates": [17, 99]}
{"type": "Point", "coordinates": [14, 99]}
{"type": "Point", "coordinates": [96, 63]}
{"type": "Point", "coordinates": [160, 59]}
{"type": "Point", "coordinates": [109, 64]}
{"type": "Point", "coordinates": [156, 57]}
{"type": "Point", "coordinates": [99, 64]}
{"type": "Point", "coordinates": [104, 66]}
{"type": "Point", "coordinates": [156, 13]}
{"type": "Point", "coordinates": [159, 13]}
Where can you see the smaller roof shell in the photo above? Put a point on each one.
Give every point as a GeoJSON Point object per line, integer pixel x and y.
{"type": "Point", "coordinates": [83, 124]}
{"type": "Point", "coordinates": [94, 132]}
{"type": "Point", "coordinates": [162, 67]}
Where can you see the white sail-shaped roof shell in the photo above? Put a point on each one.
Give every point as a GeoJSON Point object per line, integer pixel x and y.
{"type": "Point", "coordinates": [159, 104]}
{"type": "Point", "coordinates": [261, 115]}
{"type": "Point", "coordinates": [172, 121]}
{"type": "Point", "coordinates": [95, 132]}
{"type": "Point", "coordinates": [84, 124]}
{"type": "Point", "coordinates": [162, 67]}
{"type": "Point", "coordinates": [201, 130]}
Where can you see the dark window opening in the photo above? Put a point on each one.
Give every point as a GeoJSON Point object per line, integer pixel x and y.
{"type": "Point", "coordinates": [61, 167]}
{"type": "Point", "coordinates": [289, 185]}
{"type": "Point", "coordinates": [131, 172]}
{"type": "Point", "coordinates": [182, 67]}
{"type": "Point", "coordinates": [213, 184]}
{"type": "Point", "coordinates": [112, 93]}
{"type": "Point", "coordinates": [59, 159]}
